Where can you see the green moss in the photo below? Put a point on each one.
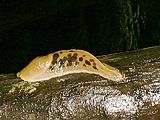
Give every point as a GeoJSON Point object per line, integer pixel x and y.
{"type": "Point", "coordinates": [23, 86]}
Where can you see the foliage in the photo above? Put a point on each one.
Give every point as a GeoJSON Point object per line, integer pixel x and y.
{"type": "Point", "coordinates": [132, 17]}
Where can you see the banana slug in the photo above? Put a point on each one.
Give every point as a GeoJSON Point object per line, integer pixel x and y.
{"type": "Point", "coordinates": [67, 62]}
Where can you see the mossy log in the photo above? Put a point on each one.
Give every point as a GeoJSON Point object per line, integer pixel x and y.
{"type": "Point", "coordinates": [85, 96]}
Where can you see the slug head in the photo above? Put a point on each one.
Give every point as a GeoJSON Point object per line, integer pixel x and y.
{"type": "Point", "coordinates": [35, 69]}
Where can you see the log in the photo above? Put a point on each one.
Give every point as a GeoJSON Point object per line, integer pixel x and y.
{"type": "Point", "coordinates": [85, 96]}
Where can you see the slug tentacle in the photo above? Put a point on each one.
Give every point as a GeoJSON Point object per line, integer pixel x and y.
{"type": "Point", "coordinates": [67, 62]}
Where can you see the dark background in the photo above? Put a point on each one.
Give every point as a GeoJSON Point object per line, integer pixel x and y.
{"type": "Point", "coordinates": [29, 28]}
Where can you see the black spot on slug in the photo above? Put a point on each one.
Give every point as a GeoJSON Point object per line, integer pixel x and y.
{"type": "Point", "coordinates": [72, 58]}
{"type": "Point", "coordinates": [80, 59]}
{"type": "Point", "coordinates": [64, 59]}
{"type": "Point", "coordinates": [75, 54]}
{"type": "Point", "coordinates": [95, 67]}
{"type": "Point", "coordinates": [91, 60]}
{"type": "Point", "coordinates": [87, 62]}
{"type": "Point", "coordinates": [69, 55]}
{"type": "Point", "coordinates": [76, 63]}
{"type": "Point", "coordinates": [94, 64]}
{"type": "Point", "coordinates": [51, 67]}
{"type": "Point", "coordinates": [55, 57]}
{"type": "Point", "coordinates": [71, 51]}
{"type": "Point", "coordinates": [69, 64]}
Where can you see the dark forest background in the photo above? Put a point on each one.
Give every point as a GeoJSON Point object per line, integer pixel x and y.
{"type": "Point", "coordinates": [29, 28]}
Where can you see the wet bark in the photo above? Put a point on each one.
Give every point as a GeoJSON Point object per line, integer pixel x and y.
{"type": "Point", "coordinates": [84, 96]}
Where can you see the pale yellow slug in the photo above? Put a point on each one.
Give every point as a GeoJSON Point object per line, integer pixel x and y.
{"type": "Point", "coordinates": [67, 62]}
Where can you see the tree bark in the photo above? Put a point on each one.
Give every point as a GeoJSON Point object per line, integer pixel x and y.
{"type": "Point", "coordinates": [85, 96]}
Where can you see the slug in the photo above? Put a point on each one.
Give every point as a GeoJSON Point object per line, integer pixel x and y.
{"type": "Point", "coordinates": [67, 62]}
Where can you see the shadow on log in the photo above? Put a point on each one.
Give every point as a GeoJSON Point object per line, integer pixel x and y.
{"type": "Point", "coordinates": [84, 96]}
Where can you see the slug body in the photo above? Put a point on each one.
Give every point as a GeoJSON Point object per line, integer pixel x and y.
{"type": "Point", "coordinates": [67, 62]}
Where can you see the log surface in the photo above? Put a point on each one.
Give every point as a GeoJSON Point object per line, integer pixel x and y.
{"type": "Point", "coordinates": [84, 96]}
